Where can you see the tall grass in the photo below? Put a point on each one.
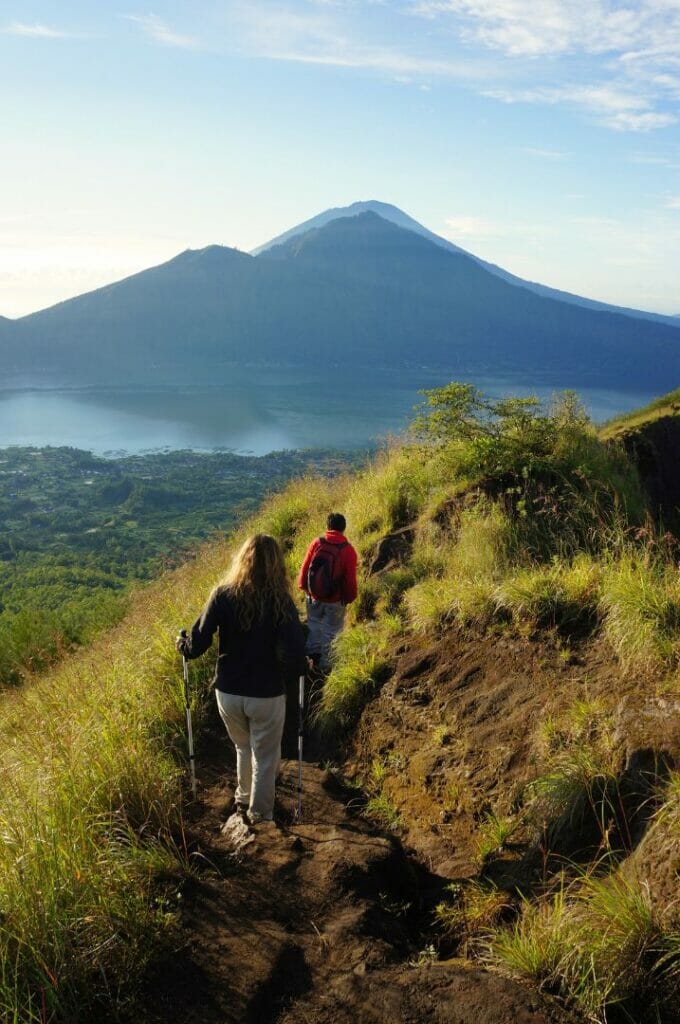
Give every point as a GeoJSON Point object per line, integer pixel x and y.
{"type": "Point", "coordinates": [546, 595]}
{"type": "Point", "coordinates": [361, 660]}
{"type": "Point", "coordinates": [576, 799]}
{"type": "Point", "coordinates": [472, 912]}
{"type": "Point", "coordinates": [463, 585]}
{"type": "Point", "coordinates": [600, 943]}
{"type": "Point", "coordinates": [641, 602]}
{"type": "Point", "coordinates": [90, 798]}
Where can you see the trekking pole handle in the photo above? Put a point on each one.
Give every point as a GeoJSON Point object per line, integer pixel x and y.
{"type": "Point", "coordinates": [184, 635]}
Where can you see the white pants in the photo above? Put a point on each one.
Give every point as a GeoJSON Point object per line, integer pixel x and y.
{"type": "Point", "coordinates": [255, 725]}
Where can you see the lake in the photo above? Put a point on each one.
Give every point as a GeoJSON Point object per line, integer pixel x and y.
{"type": "Point", "coordinates": [256, 412]}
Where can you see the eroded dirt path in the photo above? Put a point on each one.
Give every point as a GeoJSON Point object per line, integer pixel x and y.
{"type": "Point", "coordinates": [317, 923]}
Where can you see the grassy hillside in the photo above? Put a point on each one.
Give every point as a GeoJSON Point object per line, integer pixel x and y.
{"type": "Point", "coordinates": [497, 530]}
{"type": "Point", "coordinates": [666, 405]}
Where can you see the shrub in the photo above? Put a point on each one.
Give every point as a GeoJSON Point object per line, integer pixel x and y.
{"type": "Point", "coordinates": [429, 604]}
{"type": "Point", "coordinates": [392, 586]}
{"type": "Point", "coordinates": [534, 946]}
{"type": "Point", "coordinates": [579, 724]}
{"type": "Point", "coordinates": [579, 788]}
{"type": "Point", "coordinates": [494, 834]}
{"type": "Point", "coordinates": [428, 557]}
{"type": "Point", "coordinates": [531, 595]}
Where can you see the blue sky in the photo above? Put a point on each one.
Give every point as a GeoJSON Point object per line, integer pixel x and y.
{"type": "Point", "coordinates": [543, 136]}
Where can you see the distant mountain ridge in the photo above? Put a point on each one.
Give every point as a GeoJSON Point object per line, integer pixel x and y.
{"type": "Point", "coordinates": [354, 291]}
{"type": "Point", "coordinates": [397, 216]}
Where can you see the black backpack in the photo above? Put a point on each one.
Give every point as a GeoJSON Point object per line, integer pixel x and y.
{"type": "Point", "coordinates": [321, 584]}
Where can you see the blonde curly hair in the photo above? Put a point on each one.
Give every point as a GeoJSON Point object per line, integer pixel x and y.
{"type": "Point", "coordinates": [257, 580]}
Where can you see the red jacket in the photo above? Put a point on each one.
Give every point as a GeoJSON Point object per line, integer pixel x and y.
{"type": "Point", "coordinates": [345, 568]}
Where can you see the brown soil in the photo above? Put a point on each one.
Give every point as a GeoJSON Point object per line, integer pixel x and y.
{"type": "Point", "coordinates": [331, 921]}
{"type": "Point", "coordinates": [455, 733]}
{"type": "Point", "coordinates": [313, 923]}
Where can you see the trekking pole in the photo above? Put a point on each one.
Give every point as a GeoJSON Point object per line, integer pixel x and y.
{"type": "Point", "coordinates": [190, 731]}
{"type": "Point", "coordinates": [301, 720]}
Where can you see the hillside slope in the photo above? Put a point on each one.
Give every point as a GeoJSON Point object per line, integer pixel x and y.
{"type": "Point", "coordinates": [361, 290]}
{"type": "Point", "coordinates": [651, 436]}
{"type": "Point", "coordinates": [502, 815]}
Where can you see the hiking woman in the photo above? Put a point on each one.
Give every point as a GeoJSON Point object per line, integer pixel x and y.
{"type": "Point", "coordinates": [260, 640]}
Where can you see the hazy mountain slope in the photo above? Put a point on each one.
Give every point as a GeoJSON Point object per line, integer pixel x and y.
{"type": "Point", "coordinates": [359, 290]}
{"type": "Point", "coordinates": [397, 216]}
{"type": "Point", "coordinates": [385, 210]}
{"type": "Point", "coordinates": [470, 315]}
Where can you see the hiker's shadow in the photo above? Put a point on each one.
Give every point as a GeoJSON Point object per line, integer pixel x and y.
{"type": "Point", "coordinates": [289, 978]}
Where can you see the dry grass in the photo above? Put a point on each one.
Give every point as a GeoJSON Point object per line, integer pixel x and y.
{"type": "Point", "coordinates": [91, 796]}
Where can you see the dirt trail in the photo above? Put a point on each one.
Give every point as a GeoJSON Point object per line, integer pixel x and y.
{"type": "Point", "coordinates": [317, 923]}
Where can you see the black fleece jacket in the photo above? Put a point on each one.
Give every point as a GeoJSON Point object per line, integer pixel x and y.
{"type": "Point", "coordinates": [253, 662]}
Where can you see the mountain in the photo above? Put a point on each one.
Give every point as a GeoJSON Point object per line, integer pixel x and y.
{"type": "Point", "coordinates": [397, 216]}
{"type": "Point", "coordinates": [355, 291]}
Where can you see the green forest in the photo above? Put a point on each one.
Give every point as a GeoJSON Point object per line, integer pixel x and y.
{"type": "Point", "coordinates": [77, 531]}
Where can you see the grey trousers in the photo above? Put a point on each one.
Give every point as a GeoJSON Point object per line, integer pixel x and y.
{"type": "Point", "coordinates": [324, 621]}
{"type": "Point", "coordinates": [255, 725]}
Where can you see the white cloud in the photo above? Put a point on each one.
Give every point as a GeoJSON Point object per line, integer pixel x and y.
{"type": "Point", "coordinates": [545, 154]}
{"type": "Point", "coordinates": [654, 160]}
{"type": "Point", "coordinates": [626, 122]}
{"type": "Point", "coordinates": [321, 37]}
{"type": "Point", "coordinates": [613, 64]}
{"type": "Point", "coordinates": [614, 106]}
{"type": "Point", "coordinates": [634, 48]}
{"type": "Point", "coordinates": [161, 33]}
{"type": "Point", "coordinates": [378, 59]}
{"type": "Point", "coordinates": [672, 203]}
{"type": "Point", "coordinates": [37, 31]}
{"type": "Point", "coordinates": [554, 27]}
{"type": "Point", "coordinates": [472, 227]}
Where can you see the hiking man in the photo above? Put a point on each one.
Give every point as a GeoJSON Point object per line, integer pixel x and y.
{"type": "Point", "coordinates": [328, 576]}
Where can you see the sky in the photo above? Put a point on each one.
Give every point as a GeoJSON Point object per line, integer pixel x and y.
{"type": "Point", "coordinates": [540, 135]}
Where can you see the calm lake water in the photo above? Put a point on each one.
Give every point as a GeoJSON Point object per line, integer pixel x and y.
{"type": "Point", "coordinates": [255, 413]}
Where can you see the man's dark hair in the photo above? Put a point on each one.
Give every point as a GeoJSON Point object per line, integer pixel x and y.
{"type": "Point", "coordinates": [336, 521]}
